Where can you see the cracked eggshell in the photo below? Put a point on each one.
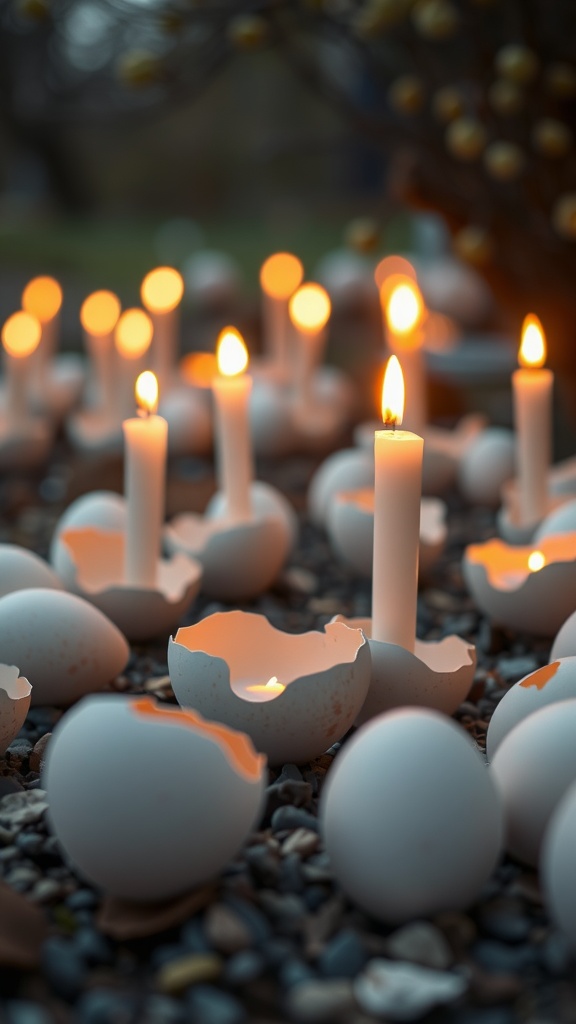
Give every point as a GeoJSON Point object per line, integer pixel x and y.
{"type": "Point", "coordinates": [266, 501]}
{"type": "Point", "coordinates": [325, 674]}
{"type": "Point", "coordinates": [240, 560]}
{"type": "Point", "coordinates": [533, 768]}
{"type": "Point", "coordinates": [557, 866]}
{"type": "Point", "coordinates": [64, 645]}
{"type": "Point", "coordinates": [149, 801]}
{"type": "Point", "coordinates": [561, 520]}
{"type": "Point", "coordinates": [139, 612]}
{"type": "Point", "coordinates": [508, 592]}
{"type": "Point", "coordinates": [393, 824]}
{"type": "Point", "coordinates": [438, 675]}
{"type": "Point", "coordinates": [547, 685]}
{"type": "Point", "coordinates": [21, 569]}
{"type": "Point", "coordinates": [346, 470]}
{"type": "Point", "coordinates": [15, 694]}
{"type": "Point", "coordinates": [486, 465]}
{"type": "Point", "coordinates": [103, 509]}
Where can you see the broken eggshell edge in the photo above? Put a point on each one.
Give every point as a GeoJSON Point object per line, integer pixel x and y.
{"type": "Point", "coordinates": [15, 696]}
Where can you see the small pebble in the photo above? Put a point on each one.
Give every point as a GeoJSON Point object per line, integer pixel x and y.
{"type": "Point", "coordinates": [177, 975]}
{"type": "Point", "coordinates": [63, 967]}
{"type": "Point", "coordinates": [20, 1011]}
{"type": "Point", "coordinates": [513, 669]}
{"type": "Point", "coordinates": [225, 930]}
{"type": "Point", "coordinates": [243, 968]}
{"type": "Point", "coordinates": [210, 1005]}
{"type": "Point", "coordinates": [321, 1002]}
{"type": "Point", "coordinates": [343, 957]}
{"type": "Point", "coordinates": [105, 1006]}
{"type": "Point", "coordinates": [292, 818]}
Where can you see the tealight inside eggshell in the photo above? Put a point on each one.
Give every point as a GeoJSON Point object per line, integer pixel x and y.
{"type": "Point", "coordinates": [487, 463]}
{"type": "Point", "coordinates": [533, 767]}
{"type": "Point", "coordinates": [400, 840]}
{"type": "Point", "coordinates": [15, 694]}
{"type": "Point", "coordinates": [547, 685]}
{"type": "Point", "coordinates": [557, 866]}
{"type": "Point", "coordinates": [62, 644]}
{"type": "Point", "coordinates": [149, 801]}
{"type": "Point", "coordinates": [21, 569]}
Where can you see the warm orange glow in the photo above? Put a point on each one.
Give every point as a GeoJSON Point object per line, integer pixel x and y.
{"type": "Point", "coordinates": [404, 307]}
{"type": "Point", "coordinates": [272, 686]}
{"type": "Point", "coordinates": [280, 275]}
{"type": "Point", "coordinates": [133, 333]}
{"type": "Point", "coordinates": [162, 289]}
{"type": "Point", "coordinates": [146, 391]}
{"type": "Point", "coordinates": [532, 352]}
{"type": "Point", "coordinates": [231, 353]}
{"type": "Point", "coordinates": [536, 561]}
{"type": "Point", "coordinates": [393, 266]}
{"type": "Point", "coordinates": [42, 297]}
{"type": "Point", "coordinates": [393, 394]}
{"type": "Point", "coordinates": [99, 313]}
{"type": "Point", "coordinates": [199, 368]}
{"type": "Point", "coordinates": [21, 335]}
{"type": "Point", "coordinates": [310, 308]}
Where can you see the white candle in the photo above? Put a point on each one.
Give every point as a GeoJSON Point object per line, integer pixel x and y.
{"type": "Point", "coordinates": [231, 389]}
{"type": "Point", "coordinates": [161, 292]}
{"type": "Point", "coordinates": [280, 276]}
{"type": "Point", "coordinates": [132, 339]}
{"type": "Point", "coordinates": [398, 485]}
{"type": "Point", "coordinates": [532, 387]}
{"type": "Point", "coordinates": [257, 693]}
{"type": "Point", "coordinates": [42, 297]}
{"type": "Point", "coordinates": [309, 310]}
{"type": "Point", "coordinates": [145, 447]}
{"type": "Point", "coordinates": [99, 315]}
{"type": "Point", "coordinates": [20, 338]}
{"type": "Point", "coordinates": [403, 311]}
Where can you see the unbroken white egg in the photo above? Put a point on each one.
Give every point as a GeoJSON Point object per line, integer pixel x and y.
{"type": "Point", "coordinates": [557, 865]}
{"type": "Point", "coordinates": [533, 767]}
{"type": "Point", "coordinates": [345, 470]}
{"type": "Point", "coordinates": [62, 644]}
{"type": "Point", "coordinates": [564, 645]}
{"type": "Point", "coordinates": [411, 818]}
{"type": "Point", "coordinates": [21, 569]}
{"type": "Point", "coordinates": [486, 465]}
{"type": "Point", "coordinates": [547, 685]}
{"type": "Point", "coordinates": [148, 801]}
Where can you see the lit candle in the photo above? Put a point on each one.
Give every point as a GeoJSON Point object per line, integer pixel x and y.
{"type": "Point", "coordinates": [532, 388]}
{"type": "Point", "coordinates": [132, 338]}
{"type": "Point", "coordinates": [403, 309]}
{"type": "Point", "coordinates": [257, 692]}
{"type": "Point", "coordinates": [42, 298]}
{"type": "Point", "coordinates": [145, 446]}
{"type": "Point", "coordinates": [232, 388]}
{"type": "Point", "coordinates": [398, 485]}
{"type": "Point", "coordinates": [161, 292]}
{"type": "Point", "coordinates": [20, 338]}
{"type": "Point", "coordinates": [309, 310]}
{"type": "Point", "coordinates": [99, 315]}
{"type": "Point", "coordinates": [280, 276]}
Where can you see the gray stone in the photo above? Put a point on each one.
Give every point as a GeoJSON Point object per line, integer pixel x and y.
{"type": "Point", "coordinates": [289, 817]}
{"type": "Point", "coordinates": [302, 841]}
{"type": "Point", "coordinates": [20, 1011]}
{"type": "Point", "coordinates": [212, 1006]}
{"type": "Point", "coordinates": [513, 669]}
{"type": "Point", "coordinates": [243, 967]}
{"type": "Point", "coordinates": [321, 1002]}
{"type": "Point", "coordinates": [225, 930]}
{"type": "Point", "coordinates": [20, 809]}
{"type": "Point", "coordinates": [105, 1006]}
{"type": "Point", "coordinates": [344, 956]}
{"type": "Point", "coordinates": [63, 967]}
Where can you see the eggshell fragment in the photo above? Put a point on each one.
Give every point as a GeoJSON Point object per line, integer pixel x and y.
{"type": "Point", "coordinates": [533, 767]}
{"type": "Point", "coordinates": [325, 674]}
{"type": "Point", "coordinates": [15, 694]}
{"type": "Point", "coordinates": [395, 826]}
{"type": "Point", "coordinates": [21, 569]}
{"type": "Point", "coordinates": [62, 644]}
{"type": "Point", "coordinates": [547, 685]}
{"type": "Point", "coordinates": [557, 866]}
{"type": "Point", "coordinates": [148, 801]}
{"type": "Point", "coordinates": [266, 501]}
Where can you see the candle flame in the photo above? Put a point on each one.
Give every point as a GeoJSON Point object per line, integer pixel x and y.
{"type": "Point", "coordinates": [21, 335]}
{"type": "Point", "coordinates": [133, 334]}
{"type": "Point", "coordinates": [403, 306]}
{"type": "Point", "coordinates": [99, 313]}
{"type": "Point", "coordinates": [532, 352]}
{"type": "Point", "coordinates": [391, 268]}
{"type": "Point", "coordinates": [162, 289]}
{"type": "Point", "coordinates": [536, 561]}
{"type": "Point", "coordinates": [146, 391]}
{"type": "Point", "coordinates": [272, 686]}
{"type": "Point", "coordinates": [393, 394]}
{"type": "Point", "coordinates": [280, 275]}
{"type": "Point", "coordinates": [231, 353]}
{"type": "Point", "coordinates": [42, 297]}
{"type": "Point", "coordinates": [310, 308]}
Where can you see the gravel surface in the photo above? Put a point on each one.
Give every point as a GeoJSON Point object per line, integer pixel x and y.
{"type": "Point", "coordinates": [273, 939]}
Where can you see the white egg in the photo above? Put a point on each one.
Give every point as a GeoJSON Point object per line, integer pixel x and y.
{"type": "Point", "coordinates": [21, 569]}
{"type": "Point", "coordinates": [486, 465]}
{"type": "Point", "coordinates": [15, 694]}
{"type": "Point", "coordinates": [547, 685]}
{"type": "Point", "coordinates": [266, 501]}
{"type": "Point", "coordinates": [146, 800]}
{"type": "Point", "coordinates": [271, 423]}
{"type": "Point", "coordinates": [557, 866]}
{"type": "Point", "coordinates": [187, 411]}
{"type": "Point", "coordinates": [104, 509]}
{"type": "Point", "coordinates": [533, 767]}
{"type": "Point", "coordinates": [345, 470]}
{"type": "Point", "coordinates": [564, 645]}
{"type": "Point", "coordinates": [561, 520]}
{"type": "Point", "coordinates": [62, 644]}
{"type": "Point", "coordinates": [410, 816]}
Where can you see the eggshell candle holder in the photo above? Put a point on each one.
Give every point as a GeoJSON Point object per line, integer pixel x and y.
{"type": "Point", "coordinates": [271, 421]}
{"type": "Point", "coordinates": [510, 524]}
{"type": "Point", "coordinates": [547, 685]}
{"type": "Point", "coordinates": [325, 678]}
{"type": "Point", "coordinates": [62, 644]}
{"type": "Point", "coordinates": [105, 510]}
{"type": "Point", "coordinates": [504, 587]}
{"type": "Point", "coordinates": [345, 470]}
{"type": "Point", "coordinates": [266, 501]}
{"type": "Point", "coordinates": [350, 528]}
{"type": "Point", "coordinates": [561, 520]}
{"type": "Point", "coordinates": [21, 569]}
{"type": "Point", "coordinates": [62, 387]}
{"type": "Point", "coordinates": [149, 801]}
{"type": "Point", "coordinates": [15, 692]}
{"type": "Point", "coordinates": [489, 461]}
{"type": "Point", "coordinates": [438, 674]}
{"type": "Point", "coordinates": [92, 432]}
{"type": "Point", "coordinates": [189, 417]}
{"type": "Point", "coordinates": [97, 564]}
